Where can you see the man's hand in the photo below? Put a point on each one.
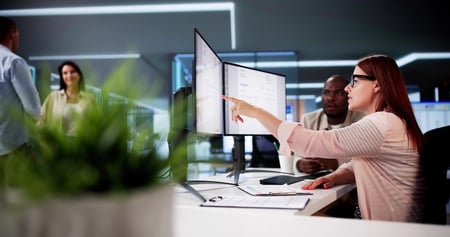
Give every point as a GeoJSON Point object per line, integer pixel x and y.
{"type": "Point", "coordinates": [313, 165]}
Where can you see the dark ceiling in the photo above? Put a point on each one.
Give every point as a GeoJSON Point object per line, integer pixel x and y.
{"type": "Point", "coordinates": [316, 30]}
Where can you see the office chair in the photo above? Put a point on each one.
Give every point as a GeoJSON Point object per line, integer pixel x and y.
{"type": "Point", "coordinates": [435, 162]}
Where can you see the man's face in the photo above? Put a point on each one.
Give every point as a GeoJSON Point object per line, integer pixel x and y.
{"type": "Point", "coordinates": [334, 98]}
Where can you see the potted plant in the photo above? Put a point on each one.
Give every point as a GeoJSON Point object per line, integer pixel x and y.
{"type": "Point", "coordinates": [93, 184]}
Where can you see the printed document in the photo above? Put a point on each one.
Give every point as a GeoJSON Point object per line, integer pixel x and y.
{"type": "Point", "coordinates": [277, 202]}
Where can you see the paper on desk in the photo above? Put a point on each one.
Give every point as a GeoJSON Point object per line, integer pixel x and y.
{"type": "Point", "coordinates": [276, 202]}
{"type": "Point", "coordinates": [271, 190]}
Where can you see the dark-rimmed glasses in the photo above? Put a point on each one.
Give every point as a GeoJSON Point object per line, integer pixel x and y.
{"type": "Point", "coordinates": [366, 77]}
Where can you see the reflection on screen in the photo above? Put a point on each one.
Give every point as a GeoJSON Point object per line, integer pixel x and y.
{"type": "Point", "coordinates": [430, 115]}
{"type": "Point", "coordinates": [208, 88]}
{"type": "Point", "coordinates": [260, 88]}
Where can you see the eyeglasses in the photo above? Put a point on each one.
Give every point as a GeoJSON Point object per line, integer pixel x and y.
{"type": "Point", "coordinates": [366, 77]}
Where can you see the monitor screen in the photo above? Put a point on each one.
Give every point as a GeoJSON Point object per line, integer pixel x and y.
{"type": "Point", "coordinates": [430, 115]}
{"type": "Point", "coordinates": [208, 88]}
{"type": "Point", "coordinates": [260, 88]}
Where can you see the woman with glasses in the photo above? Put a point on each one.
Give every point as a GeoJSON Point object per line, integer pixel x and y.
{"type": "Point", "coordinates": [384, 145]}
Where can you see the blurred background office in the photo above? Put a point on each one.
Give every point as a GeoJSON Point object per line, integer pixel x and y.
{"type": "Point", "coordinates": [304, 40]}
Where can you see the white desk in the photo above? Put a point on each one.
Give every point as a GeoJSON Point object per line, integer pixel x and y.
{"type": "Point", "coordinates": [235, 222]}
{"type": "Point", "coordinates": [320, 198]}
{"type": "Point", "coordinates": [192, 220]}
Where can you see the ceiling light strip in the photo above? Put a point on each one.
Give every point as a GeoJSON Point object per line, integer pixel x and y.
{"type": "Point", "coordinates": [327, 63]}
{"type": "Point", "coordinates": [313, 63]}
{"type": "Point", "coordinates": [84, 57]}
{"type": "Point", "coordinates": [233, 26]}
{"type": "Point", "coordinates": [121, 9]}
{"type": "Point", "coordinates": [131, 9]}
{"type": "Point", "coordinates": [300, 97]}
{"type": "Point", "coordinates": [277, 64]}
{"type": "Point", "coordinates": [304, 85]}
{"type": "Point", "coordinates": [348, 63]}
{"type": "Point", "coordinates": [421, 56]}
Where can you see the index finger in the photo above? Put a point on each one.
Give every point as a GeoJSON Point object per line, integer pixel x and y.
{"type": "Point", "coordinates": [229, 98]}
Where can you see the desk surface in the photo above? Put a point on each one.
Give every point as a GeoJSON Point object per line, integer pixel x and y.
{"type": "Point", "coordinates": [232, 222]}
{"type": "Point", "coordinates": [192, 220]}
{"type": "Point", "coordinates": [320, 198]}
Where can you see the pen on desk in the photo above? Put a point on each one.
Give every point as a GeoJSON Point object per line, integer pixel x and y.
{"type": "Point", "coordinates": [287, 194]}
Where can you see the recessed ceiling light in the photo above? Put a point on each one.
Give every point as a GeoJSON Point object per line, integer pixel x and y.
{"type": "Point", "coordinates": [83, 57]}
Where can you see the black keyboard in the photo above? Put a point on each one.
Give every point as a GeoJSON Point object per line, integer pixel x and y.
{"type": "Point", "coordinates": [288, 179]}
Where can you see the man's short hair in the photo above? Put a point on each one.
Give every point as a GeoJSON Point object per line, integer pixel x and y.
{"type": "Point", "coordinates": [6, 25]}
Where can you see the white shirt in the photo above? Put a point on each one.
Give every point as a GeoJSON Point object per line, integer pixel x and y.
{"type": "Point", "coordinates": [18, 99]}
{"type": "Point", "coordinates": [70, 117]}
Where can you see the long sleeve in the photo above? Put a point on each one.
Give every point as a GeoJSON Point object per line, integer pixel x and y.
{"type": "Point", "coordinates": [19, 100]}
{"type": "Point", "coordinates": [52, 110]}
{"type": "Point", "coordinates": [361, 138]}
{"type": "Point", "coordinates": [384, 162]}
{"type": "Point", "coordinates": [26, 90]}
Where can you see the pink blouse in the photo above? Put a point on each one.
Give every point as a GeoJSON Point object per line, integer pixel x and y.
{"type": "Point", "coordinates": [385, 165]}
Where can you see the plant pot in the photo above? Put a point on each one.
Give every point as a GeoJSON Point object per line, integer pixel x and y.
{"type": "Point", "coordinates": [144, 213]}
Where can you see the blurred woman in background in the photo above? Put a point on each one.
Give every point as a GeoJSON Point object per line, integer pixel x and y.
{"type": "Point", "coordinates": [63, 109]}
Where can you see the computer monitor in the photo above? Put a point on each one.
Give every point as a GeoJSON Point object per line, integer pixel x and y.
{"type": "Point", "coordinates": [430, 115]}
{"type": "Point", "coordinates": [208, 88]}
{"type": "Point", "coordinates": [207, 93]}
{"type": "Point", "coordinates": [213, 78]}
{"type": "Point", "coordinates": [261, 88]}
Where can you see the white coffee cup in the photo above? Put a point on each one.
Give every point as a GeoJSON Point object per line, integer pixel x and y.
{"type": "Point", "coordinates": [286, 163]}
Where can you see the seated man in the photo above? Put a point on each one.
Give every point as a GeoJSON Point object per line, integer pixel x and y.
{"type": "Point", "coordinates": [333, 114]}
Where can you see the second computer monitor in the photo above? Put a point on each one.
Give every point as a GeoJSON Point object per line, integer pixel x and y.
{"type": "Point", "coordinates": [208, 88]}
{"type": "Point", "coordinates": [261, 88]}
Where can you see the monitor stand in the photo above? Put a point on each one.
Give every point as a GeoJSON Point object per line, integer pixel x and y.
{"type": "Point", "coordinates": [238, 153]}
{"type": "Point", "coordinates": [239, 160]}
